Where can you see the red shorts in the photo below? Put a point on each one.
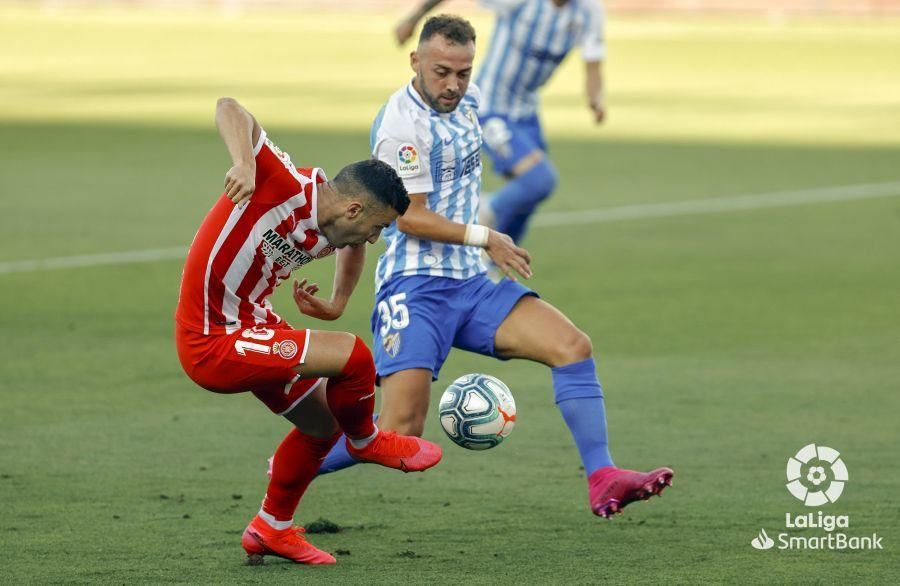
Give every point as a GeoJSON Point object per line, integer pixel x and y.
{"type": "Point", "coordinates": [259, 360]}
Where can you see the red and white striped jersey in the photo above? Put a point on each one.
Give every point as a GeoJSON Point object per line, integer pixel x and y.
{"type": "Point", "coordinates": [239, 255]}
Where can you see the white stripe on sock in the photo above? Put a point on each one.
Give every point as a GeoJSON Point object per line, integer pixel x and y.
{"type": "Point", "coordinates": [275, 523]}
{"type": "Point", "coordinates": [363, 442]}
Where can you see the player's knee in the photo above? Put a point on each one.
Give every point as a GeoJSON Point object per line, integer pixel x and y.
{"type": "Point", "coordinates": [573, 346]}
{"type": "Point", "coordinates": [580, 346]}
{"type": "Point", "coordinates": [535, 185]}
{"type": "Point", "coordinates": [542, 180]}
{"type": "Point", "coordinates": [360, 363]}
{"type": "Point", "coordinates": [548, 176]}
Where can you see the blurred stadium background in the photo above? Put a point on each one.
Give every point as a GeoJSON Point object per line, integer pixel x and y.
{"type": "Point", "coordinates": [726, 340]}
{"type": "Point", "coordinates": [867, 7]}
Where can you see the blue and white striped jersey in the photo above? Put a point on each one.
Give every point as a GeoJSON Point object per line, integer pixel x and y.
{"type": "Point", "coordinates": [531, 38]}
{"type": "Point", "coordinates": [440, 155]}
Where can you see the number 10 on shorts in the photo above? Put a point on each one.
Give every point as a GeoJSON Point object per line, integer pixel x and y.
{"type": "Point", "coordinates": [243, 346]}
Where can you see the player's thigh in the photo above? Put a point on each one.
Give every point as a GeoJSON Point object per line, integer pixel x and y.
{"type": "Point", "coordinates": [529, 135]}
{"type": "Point", "coordinates": [405, 396]}
{"type": "Point", "coordinates": [326, 353]}
{"type": "Point", "coordinates": [528, 162]}
{"type": "Point", "coordinates": [310, 353]}
{"type": "Point", "coordinates": [262, 351]}
{"type": "Point", "coordinates": [535, 330]}
{"type": "Point", "coordinates": [247, 359]}
{"type": "Point", "coordinates": [413, 324]}
{"type": "Point", "coordinates": [532, 126]}
{"type": "Point", "coordinates": [262, 360]}
{"type": "Point", "coordinates": [489, 304]}
{"type": "Point", "coordinates": [512, 149]}
{"type": "Point", "coordinates": [312, 415]}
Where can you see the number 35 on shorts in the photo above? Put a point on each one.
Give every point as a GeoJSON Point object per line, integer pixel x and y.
{"type": "Point", "coordinates": [394, 313]}
{"type": "Point", "coordinates": [244, 346]}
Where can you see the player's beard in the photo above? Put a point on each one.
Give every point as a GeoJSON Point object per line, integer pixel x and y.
{"type": "Point", "coordinates": [435, 102]}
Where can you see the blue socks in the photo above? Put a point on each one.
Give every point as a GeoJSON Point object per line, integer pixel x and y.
{"type": "Point", "coordinates": [580, 400]}
{"type": "Point", "coordinates": [519, 198]}
{"type": "Point", "coordinates": [337, 459]}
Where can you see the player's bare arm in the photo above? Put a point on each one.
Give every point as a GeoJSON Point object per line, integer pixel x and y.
{"type": "Point", "coordinates": [239, 131]}
{"type": "Point", "coordinates": [350, 263]}
{"type": "Point", "coordinates": [593, 72]}
{"type": "Point", "coordinates": [422, 223]}
{"type": "Point", "coordinates": [405, 28]}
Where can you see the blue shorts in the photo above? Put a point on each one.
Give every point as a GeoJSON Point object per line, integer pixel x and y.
{"type": "Point", "coordinates": [417, 319]}
{"type": "Point", "coordinates": [508, 141]}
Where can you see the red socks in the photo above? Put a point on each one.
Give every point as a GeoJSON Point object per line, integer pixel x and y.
{"type": "Point", "coordinates": [351, 395]}
{"type": "Point", "coordinates": [351, 399]}
{"type": "Point", "coordinates": [296, 463]}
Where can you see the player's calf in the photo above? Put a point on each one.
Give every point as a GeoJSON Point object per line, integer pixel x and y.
{"type": "Point", "coordinates": [405, 400]}
{"type": "Point", "coordinates": [351, 394]}
{"type": "Point", "coordinates": [516, 201]}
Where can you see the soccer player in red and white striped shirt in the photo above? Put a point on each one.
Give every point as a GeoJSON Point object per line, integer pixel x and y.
{"type": "Point", "coordinates": [274, 218]}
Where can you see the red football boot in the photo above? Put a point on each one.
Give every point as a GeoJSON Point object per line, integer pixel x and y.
{"type": "Point", "coordinates": [610, 489]}
{"type": "Point", "coordinates": [262, 539]}
{"type": "Point", "coordinates": [403, 452]}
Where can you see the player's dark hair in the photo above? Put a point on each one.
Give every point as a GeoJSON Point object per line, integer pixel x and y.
{"type": "Point", "coordinates": [375, 178]}
{"type": "Point", "coordinates": [453, 28]}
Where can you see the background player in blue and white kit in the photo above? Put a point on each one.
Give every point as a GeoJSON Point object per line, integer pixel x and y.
{"type": "Point", "coordinates": [432, 291]}
{"type": "Point", "coordinates": [531, 38]}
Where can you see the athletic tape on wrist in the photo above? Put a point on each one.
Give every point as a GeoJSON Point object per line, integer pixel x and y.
{"type": "Point", "coordinates": [476, 235]}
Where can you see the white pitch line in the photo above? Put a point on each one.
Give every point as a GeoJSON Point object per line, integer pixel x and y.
{"type": "Point", "coordinates": [720, 204]}
{"type": "Point", "coordinates": [93, 260]}
{"type": "Point", "coordinates": [547, 219]}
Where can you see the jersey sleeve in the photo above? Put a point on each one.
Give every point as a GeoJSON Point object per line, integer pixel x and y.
{"type": "Point", "coordinates": [473, 96]}
{"type": "Point", "coordinates": [407, 150]}
{"type": "Point", "coordinates": [268, 162]}
{"type": "Point", "coordinates": [275, 173]}
{"type": "Point", "coordinates": [593, 43]}
{"type": "Point", "coordinates": [259, 143]}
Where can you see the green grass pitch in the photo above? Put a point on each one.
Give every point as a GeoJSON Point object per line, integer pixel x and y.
{"type": "Point", "coordinates": [725, 341]}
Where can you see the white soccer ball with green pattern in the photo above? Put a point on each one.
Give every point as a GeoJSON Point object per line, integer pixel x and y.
{"type": "Point", "coordinates": [477, 411]}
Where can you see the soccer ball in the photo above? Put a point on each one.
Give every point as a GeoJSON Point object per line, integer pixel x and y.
{"type": "Point", "coordinates": [477, 411]}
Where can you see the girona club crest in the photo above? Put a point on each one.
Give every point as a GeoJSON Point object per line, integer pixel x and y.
{"type": "Point", "coordinates": [287, 349]}
{"type": "Point", "coordinates": [328, 250]}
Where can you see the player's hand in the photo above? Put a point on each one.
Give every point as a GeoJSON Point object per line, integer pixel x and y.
{"type": "Point", "coordinates": [240, 183]}
{"type": "Point", "coordinates": [309, 304]}
{"type": "Point", "coordinates": [404, 30]}
{"type": "Point", "coordinates": [599, 109]}
{"type": "Point", "coordinates": [508, 257]}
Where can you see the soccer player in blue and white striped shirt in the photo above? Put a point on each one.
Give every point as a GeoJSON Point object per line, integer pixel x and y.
{"type": "Point", "coordinates": [432, 291]}
{"type": "Point", "coordinates": [531, 38]}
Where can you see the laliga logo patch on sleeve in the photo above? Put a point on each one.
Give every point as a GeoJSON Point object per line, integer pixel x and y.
{"type": "Point", "coordinates": [408, 164]}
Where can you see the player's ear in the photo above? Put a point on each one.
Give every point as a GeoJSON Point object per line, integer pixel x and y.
{"type": "Point", "coordinates": [414, 61]}
{"type": "Point", "coordinates": [354, 210]}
